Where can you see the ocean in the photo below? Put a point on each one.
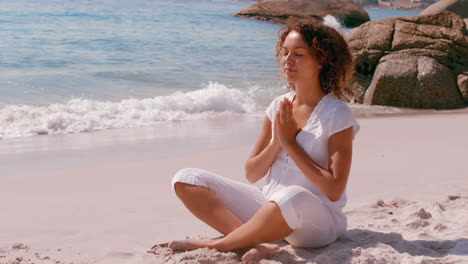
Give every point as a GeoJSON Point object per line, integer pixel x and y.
{"type": "Point", "coordinates": [79, 66]}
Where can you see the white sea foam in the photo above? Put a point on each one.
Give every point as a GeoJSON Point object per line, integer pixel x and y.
{"type": "Point", "coordinates": [333, 22]}
{"type": "Point", "coordinates": [82, 115]}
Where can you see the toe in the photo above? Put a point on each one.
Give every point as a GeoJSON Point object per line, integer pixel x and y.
{"type": "Point", "coordinates": [251, 256]}
{"type": "Point", "coordinates": [177, 245]}
{"type": "Point", "coordinates": [247, 256]}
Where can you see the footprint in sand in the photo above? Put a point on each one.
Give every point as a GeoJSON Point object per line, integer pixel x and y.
{"type": "Point", "coordinates": [117, 254]}
{"type": "Point", "coordinates": [418, 224]}
{"type": "Point", "coordinates": [19, 246]}
{"type": "Point", "coordinates": [440, 227]}
{"type": "Point", "coordinates": [441, 207]}
{"type": "Point", "coordinates": [423, 214]}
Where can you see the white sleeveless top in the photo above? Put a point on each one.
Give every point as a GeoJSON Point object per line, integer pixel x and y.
{"type": "Point", "coordinates": [330, 116]}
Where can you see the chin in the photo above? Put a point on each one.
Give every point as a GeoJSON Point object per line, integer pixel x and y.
{"type": "Point", "coordinates": [291, 80]}
{"type": "Point", "coordinates": [290, 76]}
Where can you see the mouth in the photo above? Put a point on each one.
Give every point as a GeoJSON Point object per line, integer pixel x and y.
{"type": "Point", "coordinates": [289, 70]}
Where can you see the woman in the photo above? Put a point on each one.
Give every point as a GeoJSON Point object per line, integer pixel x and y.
{"type": "Point", "coordinates": [305, 148]}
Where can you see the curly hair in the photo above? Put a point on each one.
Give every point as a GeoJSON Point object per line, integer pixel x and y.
{"type": "Point", "coordinates": [328, 46]}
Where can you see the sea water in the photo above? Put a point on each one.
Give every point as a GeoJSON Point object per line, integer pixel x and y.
{"type": "Point", "coordinates": [78, 66]}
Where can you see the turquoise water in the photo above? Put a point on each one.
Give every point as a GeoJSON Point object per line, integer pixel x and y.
{"type": "Point", "coordinates": [113, 50]}
{"type": "Point", "coordinates": [74, 66]}
{"type": "Point", "coordinates": [376, 13]}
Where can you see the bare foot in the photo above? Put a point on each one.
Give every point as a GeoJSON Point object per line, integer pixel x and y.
{"type": "Point", "coordinates": [161, 245]}
{"type": "Point", "coordinates": [259, 252]}
{"type": "Point", "coordinates": [188, 244]}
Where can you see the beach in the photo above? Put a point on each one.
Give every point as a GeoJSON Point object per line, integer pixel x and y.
{"type": "Point", "coordinates": [102, 102]}
{"type": "Point", "coordinates": [111, 202]}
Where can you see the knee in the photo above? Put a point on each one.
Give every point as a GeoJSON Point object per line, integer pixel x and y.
{"type": "Point", "coordinates": [179, 188]}
{"type": "Point", "coordinates": [179, 179]}
{"type": "Point", "coordinates": [185, 179]}
{"type": "Point", "coordinates": [184, 173]}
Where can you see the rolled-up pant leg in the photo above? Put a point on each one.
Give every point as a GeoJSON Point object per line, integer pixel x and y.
{"type": "Point", "coordinates": [242, 199]}
{"type": "Point", "coordinates": [307, 215]}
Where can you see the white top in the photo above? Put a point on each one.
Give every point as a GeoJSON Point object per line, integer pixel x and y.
{"type": "Point", "coordinates": [330, 116]}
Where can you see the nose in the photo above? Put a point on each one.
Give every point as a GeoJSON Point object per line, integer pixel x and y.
{"type": "Point", "coordinates": [288, 58]}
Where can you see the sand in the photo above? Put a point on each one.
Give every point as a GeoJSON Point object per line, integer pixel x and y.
{"type": "Point", "coordinates": [408, 199]}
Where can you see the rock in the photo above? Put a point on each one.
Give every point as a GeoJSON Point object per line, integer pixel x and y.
{"type": "Point", "coordinates": [347, 11]}
{"type": "Point", "coordinates": [394, 4]}
{"type": "Point", "coordinates": [366, 2]}
{"type": "Point", "coordinates": [380, 203]}
{"type": "Point", "coordinates": [414, 82]}
{"type": "Point", "coordinates": [454, 197]}
{"type": "Point", "coordinates": [370, 42]}
{"type": "Point", "coordinates": [410, 62]}
{"type": "Point", "coordinates": [459, 7]}
{"type": "Point", "coordinates": [463, 85]}
{"type": "Point", "coordinates": [354, 93]}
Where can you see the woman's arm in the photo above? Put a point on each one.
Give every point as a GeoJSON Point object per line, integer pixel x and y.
{"type": "Point", "coordinates": [330, 182]}
{"type": "Point", "coordinates": [263, 154]}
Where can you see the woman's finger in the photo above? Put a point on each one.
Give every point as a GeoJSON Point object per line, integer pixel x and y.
{"type": "Point", "coordinates": [290, 113]}
{"type": "Point", "coordinates": [277, 121]}
{"type": "Point", "coordinates": [287, 116]}
{"type": "Point", "coordinates": [286, 112]}
{"type": "Point", "coordinates": [282, 111]}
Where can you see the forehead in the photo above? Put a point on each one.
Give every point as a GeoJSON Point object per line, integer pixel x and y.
{"type": "Point", "coordinates": [294, 40]}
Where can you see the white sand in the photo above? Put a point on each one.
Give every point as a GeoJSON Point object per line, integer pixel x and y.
{"type": "Point", "coordinates": [114, 210]}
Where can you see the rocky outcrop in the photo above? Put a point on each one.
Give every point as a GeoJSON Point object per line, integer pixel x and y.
{"type": "Point", "coordinates": [347, 11]}
{"type": "Point", "coordinates": [415, 62]}
{"type": "Point", "coordinates": [395, 4]}
{"type": "Point", "coordinates": [463, 84]}
{"type": "Point", "coordinates": [459, 7]}
{"type": "Point", "coordinates": [366, 2]}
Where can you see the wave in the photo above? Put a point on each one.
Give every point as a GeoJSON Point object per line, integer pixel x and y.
{"type": "Point", "coordinates": [333, 22]}
{"type": "Point", "coordinates": [83, 115]}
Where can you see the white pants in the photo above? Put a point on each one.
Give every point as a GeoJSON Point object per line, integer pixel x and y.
{"type": "Point", "coordinates": [310, 219]}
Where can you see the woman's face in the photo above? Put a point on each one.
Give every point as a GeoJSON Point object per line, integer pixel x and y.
{"type": "Point", "coordinates": [297, 62]}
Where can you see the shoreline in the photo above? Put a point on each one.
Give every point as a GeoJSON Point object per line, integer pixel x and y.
{"type": "Point", "coordinates": [359, 111]}
{"type": "Point", "coordinates": [401, 112]}
{"type": "Point", "coordinates": [399, 7]}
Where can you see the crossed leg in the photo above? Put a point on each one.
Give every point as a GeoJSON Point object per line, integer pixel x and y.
{"type": "Point", "coordinates": [267, 225]}
{"type": "Point", "coordinates": [206, 206]}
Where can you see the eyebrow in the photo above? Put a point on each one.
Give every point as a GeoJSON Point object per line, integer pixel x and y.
{"type": "Point", "coordinates": [297, 47]}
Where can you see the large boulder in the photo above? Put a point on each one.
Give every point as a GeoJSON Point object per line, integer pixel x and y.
{"type": "Point", "coordinates": [413, 81]}
{"type": "Point", "coordinates": [459, 7]}
{"type": "Point", "coordinates": [350, 13]}
{"type": "Point", "coordinates": [416, 62]}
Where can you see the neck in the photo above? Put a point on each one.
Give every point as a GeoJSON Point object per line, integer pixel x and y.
{"type": "Point", "coordinates": [308, 93]}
